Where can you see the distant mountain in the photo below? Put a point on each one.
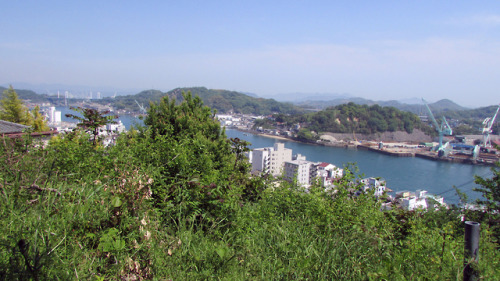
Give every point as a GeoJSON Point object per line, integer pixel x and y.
{"type": "Point", "coordinates": [411, 101]}
{"type": "Point", "coordinates": [437, 108]}
{"type": "Point", "coordinates": [446, 105]}
{"type": "Point", "coordinates": [251, 95]}
{"type": "Point", "coordinates": [76, 90]}
{"type": "Point", "coordinates": [223, 101]}
{"type": "Point", "coordinates": [305, 97]}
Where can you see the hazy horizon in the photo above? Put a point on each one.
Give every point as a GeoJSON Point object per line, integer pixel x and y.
{"type": "Point", "coordinates": [290, 97]}
{"type": "Point", "coordinates": [383, 50]}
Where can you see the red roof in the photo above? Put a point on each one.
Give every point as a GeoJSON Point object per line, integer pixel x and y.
{"type": "Point", "coordinates": [324, 164]}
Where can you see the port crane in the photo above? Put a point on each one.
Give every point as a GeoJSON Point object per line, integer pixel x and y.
{"type": "Point", "coordinates": [488, 124]}
{"type": "Point", "coordinates": [444, 129]}
{"type": "Point", "coordinates": [141, 107]}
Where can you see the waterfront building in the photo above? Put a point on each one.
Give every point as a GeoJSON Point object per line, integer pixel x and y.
{"type": "Point", "coordinates": [326, 173]}
{"type": "Point", "coordinates": [271, 159]}
{"type": "Point", "coordinates": [116, 128]}
{"type": "Point", "coordinates": [260, 160]}
{"type": "Point", "coordinates": [54, 115]}
{"type": "Point", "coordinates": [306, 172]}
{"type": "Point", "coordinates": [228, 120]}
{"type": "Point", "coordinates": [418, 200]}
{"type": "Point", "coordinates": [373, 183]}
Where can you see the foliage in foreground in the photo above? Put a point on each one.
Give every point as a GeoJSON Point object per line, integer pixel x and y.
{"type": "Point", "coordinates": [164, 205]}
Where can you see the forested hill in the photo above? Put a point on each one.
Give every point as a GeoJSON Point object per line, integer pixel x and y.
{"type": "Point", "coordinates": [440, 107]}
{"type": "Point", "coordinates": [28, 95]}
{"type": "Point", "coordinates": [364, 119]}
{"type": "Point", "coordinates": [223, 101]}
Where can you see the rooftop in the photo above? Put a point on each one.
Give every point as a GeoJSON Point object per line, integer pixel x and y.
{"type": "Point", "coordinates": [7, 127]}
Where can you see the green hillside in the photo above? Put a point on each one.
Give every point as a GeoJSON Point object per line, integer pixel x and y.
{"type": "Point", "coordinates": [351, 117]}
{"type": "Point", "coordinates": [437, 108]}
{"type": "Point", "coordinates": [222, 100]}
{"type": "Point", "coordinates": [28, 95]}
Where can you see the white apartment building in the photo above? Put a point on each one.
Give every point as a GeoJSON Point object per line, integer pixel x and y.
{"type": "Point", "coordinates": [260, 160]}
{"type": "Point", "coordinates": [299, 170]}
{"type": "Point", "coordinates": [54, 115]}
{"type": "Point", "coordinates": [271, 159]}
{"type": "Point", "coordinates": [307, 172]}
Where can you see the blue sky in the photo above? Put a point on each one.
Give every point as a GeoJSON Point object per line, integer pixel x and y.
{"type": "Point", "coordinates": [373, 49]}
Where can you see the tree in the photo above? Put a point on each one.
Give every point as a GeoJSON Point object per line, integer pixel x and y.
{"type": "Point", "coordinates": [239, 147]}
{"type": "Point", "coordinates": [12, 108]}
{"type": "Point", "coordinates": [490, 188]}
{"type": "Point", "coordinates": [92, 120]}
{"type": "Point", "coordinates": [191, 159]}
{"type": "Point", "coordinates": [39, 123]}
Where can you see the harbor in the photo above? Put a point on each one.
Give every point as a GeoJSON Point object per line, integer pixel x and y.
{"type": "Point", "coordinates": [401, 173]}
{"type": "Point", "coordinates": [454, 156]}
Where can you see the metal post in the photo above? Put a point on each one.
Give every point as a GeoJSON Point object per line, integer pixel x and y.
{"type": "Point", "coordinates": [471, 254]}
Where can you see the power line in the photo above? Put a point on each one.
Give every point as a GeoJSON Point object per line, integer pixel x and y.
{"type": "Point", "coordinates": [463, 184]}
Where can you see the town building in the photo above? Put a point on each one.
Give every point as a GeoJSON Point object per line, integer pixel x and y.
{"type": "Point", "coordinates": [53, 115]}
{"type": "Point", "coordinates": [271, 159]}
{"type": "Point", "coordinates": [377, 184]}
{"type": "Point", "coordinates": [118, 127]}
{"type": "Point", "coordinates": [299, 170]}
{"type": "Point", "coordinates": [305, 173]}
{"type": "Point", "coordinates": [418, 200]}
{"type": "Point", "coordinates": [326, 173]}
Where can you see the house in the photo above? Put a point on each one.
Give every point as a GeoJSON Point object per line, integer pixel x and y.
{"type": "Point", "coordinates": [379, 186]}
{"type": "Point", "coordinates": [14, 130]}
{"type": "Point", "coordinates": [419, 200]}
{"type": "Point", "coordinates": [326, 173]}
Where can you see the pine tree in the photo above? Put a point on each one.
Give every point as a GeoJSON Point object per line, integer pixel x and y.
{"type": "Point", "coordinates": [39, 123]}
{"type": "Point", "coordinates": [12, 108]}
{"type": "Point", "coordinates": [93, 120]}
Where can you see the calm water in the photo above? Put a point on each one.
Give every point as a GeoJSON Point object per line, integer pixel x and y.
{"type": "Point", "coordinates": [401, 173]}
{"type": "Point", "coordinates": [127, 120]}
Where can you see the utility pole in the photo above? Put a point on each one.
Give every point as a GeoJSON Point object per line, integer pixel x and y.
{"type": "Point", "coordinates": [471, 253]}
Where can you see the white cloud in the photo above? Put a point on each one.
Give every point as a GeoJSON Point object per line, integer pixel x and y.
{"type": "Point", "coordinates": [485, 20]}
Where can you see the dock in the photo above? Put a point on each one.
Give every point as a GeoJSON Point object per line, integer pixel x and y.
{"type": "Point", "coordinates": [482, 159]}
{"type": "Point", "coordinates": [398, 152]}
